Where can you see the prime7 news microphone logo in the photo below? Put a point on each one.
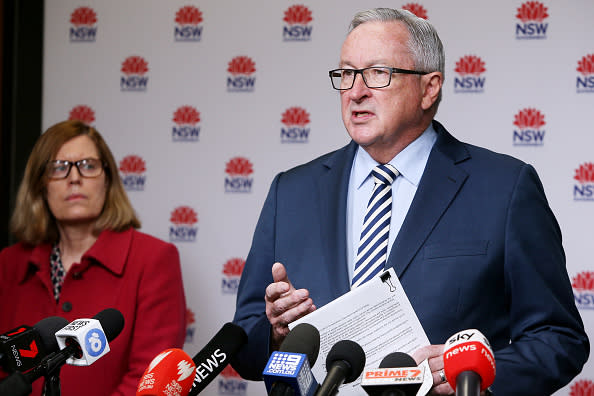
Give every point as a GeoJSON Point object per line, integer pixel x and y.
{"type": "Point", "coordinates": [583, 289]}
{"type": "Point", "coordinates": [297, 19]}
{"type": "Point", "coordinates": [239, 171]}
{"type": "Point", "coordinates": [470, 78]}
{"type": "Point", "coordinates": [188, 20]}
{"type": "Point", "coordinates": [584, 189]}
{"type": "Point", "coordinates": [295, 130]}
{"type": "Point", "coordinates": [241, 78]}
{"type": "Point", "coordinates": [133, 168]}
{"type": "Point", "coordinates": [186, 128]}
{"type": "Point", "coordinates": [529, 132]}
{"type": "Point", "coordinates": [134, 78]}
{"type": "Point", "coordinates": [84, 25]}
{"type": "Point", "coordinates": [183, 224]}
{"type": "Point", "coordinates": [532, 25]}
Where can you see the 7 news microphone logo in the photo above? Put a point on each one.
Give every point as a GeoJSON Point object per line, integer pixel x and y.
{"type": "Point", "coordinates": [134, 69]}
{"type": "Point", "coordinates": [83, 29]}
{"type": "Point", "coordinates": [231, 274]}
{"type": "Point", "coordinates": [470, 69]}
{"type": "Point", "coordinates": [239, 170]}
{"type": "Point", "coordinates": [585, 83]}
{"type": "Point", "coordinates": [183, 220]}
{"type": "Point", "coordinates": [584, 175]}
{"type": "Point", "coordinates": [188, 19]}
{"type": "Point", "coordinates": [532, 26]}
{"type": "Point", "coordinates": [295, 120]}
{"type": "Point", "coordinates": [82, 113]}
{"type": "Point", "coordinates": [186, 129]}
{"type": "Point", "coordinates": [583, 289]}
{"type": "Point", "coordinates": [530, 132]}
{"type": "Point", "coordinates": [241, 70]}
{"type": "Point", "coordinates": [297, 18]}
{"type": "Point", "coordinates": [416, 9]}
{"type": "Point", "coordinates": [133, 168]}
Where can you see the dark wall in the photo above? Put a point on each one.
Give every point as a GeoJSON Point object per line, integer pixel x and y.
{"type": "Point", "coordinates": [20, 110]}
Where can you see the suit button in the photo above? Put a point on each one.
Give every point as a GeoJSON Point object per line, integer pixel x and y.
{"type": "Point", "coordinates": [67, 307]}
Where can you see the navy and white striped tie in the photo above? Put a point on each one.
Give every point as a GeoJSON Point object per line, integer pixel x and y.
{"type": "Point", "coordinates": [373, 246]}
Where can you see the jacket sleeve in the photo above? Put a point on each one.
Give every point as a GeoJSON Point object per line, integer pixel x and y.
{"type": "Point", "coordinates": [548, 345]}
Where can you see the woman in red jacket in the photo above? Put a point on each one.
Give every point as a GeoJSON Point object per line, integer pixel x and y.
{"type": "Point", "coordinates": [79, 252]}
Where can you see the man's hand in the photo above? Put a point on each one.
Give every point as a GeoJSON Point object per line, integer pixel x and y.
{"type": "Point", "coordinates": [434, 354]}
{"type": "Point", "coordinates": [284, 304]}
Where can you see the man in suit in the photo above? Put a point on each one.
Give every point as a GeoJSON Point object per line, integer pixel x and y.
{"type": "Point", "coordinates": [471, 236]}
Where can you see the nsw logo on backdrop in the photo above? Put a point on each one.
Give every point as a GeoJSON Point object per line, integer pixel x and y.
{"type": "Point", "coordinates": [82, 113]}
{"type": "Point", "coordinates": [132, 168]}
{"type": "Point", "coordinates": [584, 190]}
{"type": "Point", "coordinates": [231, 274]}
{"type": "Point", "coordinates": [186, 128]}
{"type": "Point", "coordinates": [241, 78]}
{"type": "Point", "coordinates": [530, 132]}
{"type": "Point", "coordinates": [84, 25]}
{"type": "Point", "coordinates": [583, 289]}
{"type": "Point", "coordinates": [190, 326]}
{"type": "Point", "coordinates": [231, 383]}
{"type": "Point", "coordinates": [183, 224]}
{"type": "Point", "coordinates": [134, 77]}
{"type": "Point", "coordinates": [295, 129]}
{"type": "Point", "coordinates": [470, 79]}
{"type": "Point", "coordinates": [585, 82]}
{"type": "Point", "coordinates": [532, 25]}
{"type": "Point", "coordinates": [238, 178]}
{"type": "Point", "coordinates": [416, 9]}
{"type": "Point", "coordinates": [298, 27]}
{"type": "Point", "coordinates": [582, 388]}
{"type": "Point", "coordinates": [188, 20]}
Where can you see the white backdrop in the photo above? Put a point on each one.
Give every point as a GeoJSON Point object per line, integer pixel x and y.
{"type": "Point", "coordinates": [203, 102]}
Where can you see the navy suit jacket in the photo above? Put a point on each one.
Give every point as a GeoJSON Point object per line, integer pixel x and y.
{"type": "Point", "coordinates": [479, 248]}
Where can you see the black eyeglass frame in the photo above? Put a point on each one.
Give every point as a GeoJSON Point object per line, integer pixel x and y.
{"type": "Point", "coordinates": [69, 164]}
{"type": "Point", "coordinates": [360, 71]}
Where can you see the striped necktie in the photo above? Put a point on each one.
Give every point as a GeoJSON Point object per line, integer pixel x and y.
{"type": "Point", "coordinates": [373, 245]}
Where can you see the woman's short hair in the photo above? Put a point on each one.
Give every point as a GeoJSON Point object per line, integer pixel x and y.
{"type": "Point", "coordinates": [32, 221]}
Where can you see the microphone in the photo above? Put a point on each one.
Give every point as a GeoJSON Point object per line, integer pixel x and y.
{"type": "Point", "coordinates": [344, 364]}
{"type": "Point", "coordinates": [215, 356]}
{"type": "Point", "coordinates": [397, 375]}
{"type": "Point", "coordinates": [170, 372]}
{"type": "Point", "coordinates": [469, 363]}
{"type": "Point", "coordinates": [24, 347]}
{"type": "Point", "coordinates": [288, 371]}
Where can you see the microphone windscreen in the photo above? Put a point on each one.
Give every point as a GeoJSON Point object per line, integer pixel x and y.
{"type": "Point", "coordinates": [112, 322]}
{"type": "Point", "coordinates": [47, 328]}
{"type": "Point", "coordinates": [398, 359]}
{"type": "Point", "coordinates": [305, 339]}
{"type": "Point", "coordinates": [350, 352]}
{"type": "Point", "coordinates": [170, 373]}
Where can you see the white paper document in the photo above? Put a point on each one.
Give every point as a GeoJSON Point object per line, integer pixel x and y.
{"type": "Point", "coordinates": [377, 315]}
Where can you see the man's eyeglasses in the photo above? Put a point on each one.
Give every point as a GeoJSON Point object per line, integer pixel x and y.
{"type": "Point", "coordinates": [373, 77]}
{"type": "Point", "coordinates": [88, 167]}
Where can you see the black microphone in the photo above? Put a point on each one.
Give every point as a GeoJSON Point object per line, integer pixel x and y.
{"type": "Point", "coordinates": [215, 356]}
{"type": "Point", "coordinates": [397, 375]}
{"type": "Point", "coordinates": [24, 347]}
{"type": "Point", "coordinates": [344, 364]}
{"type": "Point", "coordinates": [288, 371]}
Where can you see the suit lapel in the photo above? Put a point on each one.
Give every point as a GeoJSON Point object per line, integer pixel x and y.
{"type": "Point", "coordinates": [439, 185]}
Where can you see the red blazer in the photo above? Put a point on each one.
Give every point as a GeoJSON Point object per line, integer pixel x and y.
{"type": "Point", "coordinates": [131, 271]}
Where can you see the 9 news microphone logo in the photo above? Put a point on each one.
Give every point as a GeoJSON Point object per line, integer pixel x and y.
{"type": "Point", "coordinates": [470, 79]}
{"type": "Point", "coordinates": [95, 342]}
{"type": "Point", "coordinates": [297, 18]}
{"type": "Point", "coordinates": [188, 19]}
{"type": "Point", "coordinates": [532, 26]}
{"type": "Point", "coordinates": [83, 29]}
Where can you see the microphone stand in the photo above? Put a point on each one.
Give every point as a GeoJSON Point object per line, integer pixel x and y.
{"type": "Point", "coordinates": [51, 386]}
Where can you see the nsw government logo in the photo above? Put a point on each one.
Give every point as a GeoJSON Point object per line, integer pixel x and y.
{"type": "Point", "coordinates": [188, 19]}
{"type": "Point", "coordinates": [586, 68]}
{"type": "Point", "coordinates": [584, 191]}
{"type": "Point", "coordinates": [532, 26]}
{"type": "Point", "coordinates": [183, 220]}
{"type": "Point", "coordinates": [186, 128]}
{"type": "Point", "coordinates": [83, 28]}
{"type": "Point", "coordinates": [416, 9]}
{"type": "Point", "coordinates": [190, 327]}
{"type": "Point", "coordinates": [82, 113]}
{"type": "Point", "coordinates": [133, 168]}
{"type": "Point", "coordinates": [529, 132]}
{"type": "Point", "coordinates": [469, 80]}
{"type": "Point", "coordinates": [238, 178]}
{"type": "Point", "coordinates": [582, 388]}
{"type": "Point", "coordinates": [134, 69]}
{"type": "Point", "coordinates": [231, 383]}
{"type": "Point", "coordinates": [583, 289]}
{"type": "Point", "coordinates": [297, 28]}
{"type": "Point", "coordinates": [295, 130]}
{"type": "Point", "coordinates": [241, 79]}
{"type": "Point", "coordinates": [231, 273]}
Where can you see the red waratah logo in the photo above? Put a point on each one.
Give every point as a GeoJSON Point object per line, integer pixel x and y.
{"type": "Point", "coordinates": [529, 118]}
{"type": "Point", "coordinates": [586, 65]}
{"type": "Point", "coordinates": [83, 16]}
{"type": "Point", "coordinates": [186, 115]}
{"type": "Point", "coordinates": [132, 164]}
{"type": "Point", "coordinates": [229, 372]}
{"type": "Point", "coordinates": [241, 65]}
{"type": "Point", "coordinates": [134, 65]}
{"type": "Point", "coordinates": [233, 267]}
{"type": "Point", "coordinates": [582, 388]}
{"type": "Point", "coordinates": [295, 116]}
{"type": "Point", "coordinates": [583, 281]}
{"type": "Point", "coordinates": [298, 14]}
{"type": "Point", "coordinates": [188, 15]}
{"type": "Point", "coordinates": [184, 215]}
{"type": "Point", "coordinates": [470, 64]}
{"type": "Point", "coordinates": [416, 9]}
{"type": "Point", "coordinates": [82, 113]}
{"type": "Point", "coordinates": [239, 166]}
{"type": "Point", "coordinates": [532, 11]}
{"type": "Point", "coordinates": [190, 317]}
{"type": "Point", "coordinates": [585, 173]}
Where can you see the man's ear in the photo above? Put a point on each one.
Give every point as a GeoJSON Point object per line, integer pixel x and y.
{"type": "Point", "coordinates": [431, 85]}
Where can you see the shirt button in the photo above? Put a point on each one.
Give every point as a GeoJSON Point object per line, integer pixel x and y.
{"type": "Point", "coordinates": [67, 307]}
